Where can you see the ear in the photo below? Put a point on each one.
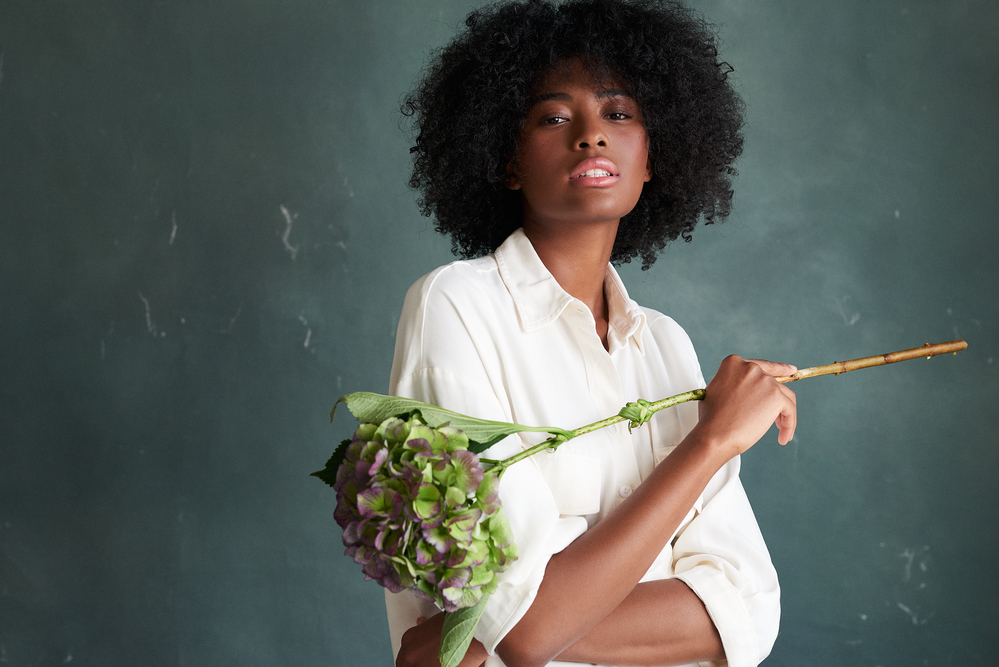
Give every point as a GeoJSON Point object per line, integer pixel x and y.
{"type": "Point", "coordinates": [648, 169]}
{"type": "Point", "coordinates": [512, 180]}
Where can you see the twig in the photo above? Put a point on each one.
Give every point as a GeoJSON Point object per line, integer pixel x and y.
{"type": "Point", "coordinates": [838, 367]}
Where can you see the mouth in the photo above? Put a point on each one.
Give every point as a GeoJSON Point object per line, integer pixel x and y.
{"type": "Point", "coordinates": [590, 173]}
{"type": "Point", "coordinates": [595, 168]}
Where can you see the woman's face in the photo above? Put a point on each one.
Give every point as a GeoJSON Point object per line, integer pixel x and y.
{"type": "Point", "coordinates": [583, 155]}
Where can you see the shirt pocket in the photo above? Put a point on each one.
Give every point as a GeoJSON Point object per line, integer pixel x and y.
{"type": "Point", "coordinates": [574, 481]}
{"type": "Point", "coordinates": [666, 433]}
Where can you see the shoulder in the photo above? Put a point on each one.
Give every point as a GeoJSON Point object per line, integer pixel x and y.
{"type": "Point", "coordinates": [456, 283]}
{"type": "Point", "coordinates": [663, 324]}
{"type": "Point", "coordinates": [449, 317]}
{"type": "Point", "coordinates": [665, 329]}
{"type": "Point", "coordinates": [665, 339]}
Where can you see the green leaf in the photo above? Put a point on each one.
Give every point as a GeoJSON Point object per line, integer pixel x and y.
{"type": "Point", "coordinates": [456, 635]}
{"type": "Point", "coordinates": [328, 474]}
{"type": "Point", "coordinates": [482, 434]}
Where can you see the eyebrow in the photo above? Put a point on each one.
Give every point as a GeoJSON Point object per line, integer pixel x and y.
{"type": "Point", "coordinates": [566, 97]}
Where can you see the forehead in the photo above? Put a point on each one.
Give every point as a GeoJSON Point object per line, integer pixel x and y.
{"type": "Point", "coordinates": [577, 74]}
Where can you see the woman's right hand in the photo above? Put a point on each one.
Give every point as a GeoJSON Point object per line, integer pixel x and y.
{"type": "Point", "coordinates": [421, 646]}
{"type": "Point", "coordinates": [742, 401]}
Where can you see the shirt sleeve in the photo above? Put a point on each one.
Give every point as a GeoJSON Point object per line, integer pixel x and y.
{"type": "Point", "coordinates": [718, 550]}
{"type": "Point", "coordinates": [457, 381]}
{"type": "Point", "coordinates": [722, 557]}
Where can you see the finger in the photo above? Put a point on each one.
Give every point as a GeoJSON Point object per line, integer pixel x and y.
{"type": "Point", "coordinates": [774, 368]}
{"type": "Point", "coordinates": [787, 421]}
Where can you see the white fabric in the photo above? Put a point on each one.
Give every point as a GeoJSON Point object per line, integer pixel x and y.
{"type": "Point", "coordinates": [498, 338]}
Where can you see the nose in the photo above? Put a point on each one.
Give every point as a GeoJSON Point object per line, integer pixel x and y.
{"type": "Point", "coordinates": [590, 134]}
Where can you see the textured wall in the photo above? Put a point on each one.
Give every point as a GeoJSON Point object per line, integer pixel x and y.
{"type": "Point", "coordinates": [205, 239]}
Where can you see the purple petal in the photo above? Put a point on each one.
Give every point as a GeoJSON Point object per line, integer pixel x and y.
{"type": "Point", "coordinates": [467, 472]}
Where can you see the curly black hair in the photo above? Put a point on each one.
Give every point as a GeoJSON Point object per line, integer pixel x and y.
{"type": "Point", "coordinates": [469, 108]}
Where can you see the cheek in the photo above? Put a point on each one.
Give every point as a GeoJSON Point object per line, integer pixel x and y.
{"type": "Point", "coordinates": [534, 158]}
{"type": "Point", "coordinates": [642, 163]}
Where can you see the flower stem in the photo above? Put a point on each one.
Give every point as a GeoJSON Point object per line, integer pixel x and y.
{"type": "Point", "coordinates": [554, 442]}
{"type": "Point", "coordinates": [837, 367]}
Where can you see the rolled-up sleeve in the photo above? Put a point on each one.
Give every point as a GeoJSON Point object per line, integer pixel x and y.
{"type": "Point", "coordinates": [722, 557]}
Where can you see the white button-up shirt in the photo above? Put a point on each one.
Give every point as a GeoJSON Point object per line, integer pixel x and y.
{"type": "Point", "coordinates": [498, 338]}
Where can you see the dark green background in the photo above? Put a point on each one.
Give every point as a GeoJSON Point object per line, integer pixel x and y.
{"type": "Point", "coordinates": [171, 350]}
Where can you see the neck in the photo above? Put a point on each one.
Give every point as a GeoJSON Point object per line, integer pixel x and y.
{"type": "Point", "coordinates": [578, 261]}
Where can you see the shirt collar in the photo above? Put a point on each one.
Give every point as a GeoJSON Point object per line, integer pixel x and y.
{"type": "Point", "coordinates": [540, 300]}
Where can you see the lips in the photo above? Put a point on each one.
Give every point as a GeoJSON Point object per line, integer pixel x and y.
{"type": "Point", "coordinates": [595, 168]}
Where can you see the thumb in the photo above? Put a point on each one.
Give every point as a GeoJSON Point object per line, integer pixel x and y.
{"type": "Point", "coordinates": [774, 368]}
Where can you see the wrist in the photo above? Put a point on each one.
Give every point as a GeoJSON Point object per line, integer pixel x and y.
{"type": "Point", "coordinates": [475, 656]}
{"type": "Point", "coordinates": [710, 446]}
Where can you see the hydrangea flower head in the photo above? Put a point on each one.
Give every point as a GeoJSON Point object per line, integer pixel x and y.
{"type": "Point", "coordinates": [419, 513]}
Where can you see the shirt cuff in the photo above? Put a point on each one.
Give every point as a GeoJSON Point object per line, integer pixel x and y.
{"type": "Point", "coordinates": [727, 611]}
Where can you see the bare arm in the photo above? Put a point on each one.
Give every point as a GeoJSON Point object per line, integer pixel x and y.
{"type": "Point", "coordinates": [658, 618]}
{"type": "Point", "coordinates": [659, 623]}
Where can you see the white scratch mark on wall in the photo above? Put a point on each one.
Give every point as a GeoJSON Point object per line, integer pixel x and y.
{"type": "Point", "coordinates": [341, 245]}
{"type": "Point", "coordinates": [915, 619]}
{"type": "Point", "coordinates": [308, 330]}
{"type": "Point", "coordinates": [852, 319]}
{"type": "Point", "coordinates": [173, 232]}
{"type": "Point", "coordinates": [289, 220]}
{"type": "Point", "coordinates": [231, 321]}
{"type": "Point", "coordinates": [910, 556]}
{"type": "Point", "coordinates": [149, 315]}
{"type": "Point", "coordinates": [897, 214]}
{"type": "Point", "coordinates": [68, 659]}
{"type": "Point", "coordinates": [339, 382]}
{"type": "Point", "coordinates": [907, 569]}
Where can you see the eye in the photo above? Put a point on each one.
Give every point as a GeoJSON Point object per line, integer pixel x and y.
{"type": "Point", "coordinates": [618, 115]}
{"type": "Point", "coordinates": [553, 120]}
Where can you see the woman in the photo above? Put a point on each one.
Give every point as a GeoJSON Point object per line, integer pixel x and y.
{"type": "Point", "coordinates": [553, 140]}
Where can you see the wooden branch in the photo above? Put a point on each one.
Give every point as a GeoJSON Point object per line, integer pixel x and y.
{"type": "Point", "coordinates": [838, 367]}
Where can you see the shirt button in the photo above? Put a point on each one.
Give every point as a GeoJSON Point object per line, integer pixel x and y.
{"type": "Point", "coordinates": [625, 490]}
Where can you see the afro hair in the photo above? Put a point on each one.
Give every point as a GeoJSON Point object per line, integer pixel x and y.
{"type": "Point", "coordinates": [468, 111]}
